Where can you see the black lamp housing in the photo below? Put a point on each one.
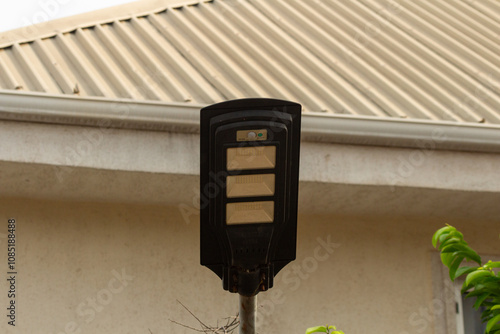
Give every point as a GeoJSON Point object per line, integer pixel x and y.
{"type": "Point", "coordinates": [247, 239]}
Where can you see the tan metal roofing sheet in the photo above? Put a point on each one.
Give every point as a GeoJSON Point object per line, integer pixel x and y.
{"type": "Point", "coordinates": [425, 59]}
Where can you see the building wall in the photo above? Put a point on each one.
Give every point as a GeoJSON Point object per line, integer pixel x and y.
{"type": "Point", "coordinates": [88, 267]}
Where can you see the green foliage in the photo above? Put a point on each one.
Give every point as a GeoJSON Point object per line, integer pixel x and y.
{"type": "Point", "coordinates": [323, 329]}
{"type": "Point", "coordinates": [481, 281]}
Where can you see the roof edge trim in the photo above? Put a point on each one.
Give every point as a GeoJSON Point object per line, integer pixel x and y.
{"type": "Point", "coordinates": [48, 29]}
{"type": "Point", "coordinates": [184, 117]}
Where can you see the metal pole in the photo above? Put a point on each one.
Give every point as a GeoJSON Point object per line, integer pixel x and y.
{"type": "Point", "coordinates": [248, 314]}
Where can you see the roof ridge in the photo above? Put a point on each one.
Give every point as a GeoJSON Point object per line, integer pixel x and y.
{"type": "Point", "coordinates": [67, 24]}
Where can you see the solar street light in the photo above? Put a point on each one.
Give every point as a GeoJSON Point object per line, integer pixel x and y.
{"type": "Point", "coordinates": [249, 189]}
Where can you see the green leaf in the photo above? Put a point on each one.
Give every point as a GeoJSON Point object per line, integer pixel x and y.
{"type": "Point", "coordinates": [332, 327]}
{"type": "Point", "coordinates": [439, 232]}
{"type": "Point", "coordinates": [493, 321]}
{"type": "Point", "coordinates": [453, 248]}
{"type": "Point", "coordinates": [449, 241]}
{"type": "Point", "coordinates": [316, 330]}
{"type": "Point", "coordinates": [454, 266]}
{"type": "Point", "coordinates": [476, 292]}
{"type": "Point", "coordinates": [491, 283]}
{"type": "Point", "coordinates": [469, 255]}
{"type": "Point", "coordinates": [496, 307]}
{"type": "Point", "coordinates": [457, 234]}
{"type": "Point", "coordinates": [491, 264]}
{"type": "Point", "coordinates": [495, 329]}
{"type": "Point", "coordinates": [480, 299]}
{"type": "Point", "coordinates": [447, 258]}
{"type": "Point", "coordinates": [473, 277]}
{"type": "Point", "coordinates": [464, 270]}
{"type": "Point", "coordinates": [462, 249]}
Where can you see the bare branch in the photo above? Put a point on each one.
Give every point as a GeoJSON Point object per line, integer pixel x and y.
{"type": "Point", "coordinates": [232, 323]}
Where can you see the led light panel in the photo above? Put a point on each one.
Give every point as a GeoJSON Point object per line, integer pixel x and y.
{"type": "Point", "coordinates": [250, 185]}
{"type": "Point", "coordinates": [251, 157]}
{"type": "Point", "coordinates": [249, 212]}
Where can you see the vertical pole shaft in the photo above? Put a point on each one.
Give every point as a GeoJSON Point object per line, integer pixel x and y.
{"type": "Point", "coordinates": [248, 314]}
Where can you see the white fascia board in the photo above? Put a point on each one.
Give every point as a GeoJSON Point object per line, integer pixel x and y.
{"type": "Point", "coordinates": [184, 118]}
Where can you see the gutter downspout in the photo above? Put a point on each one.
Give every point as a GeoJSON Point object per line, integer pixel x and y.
{"type": "Point", "coordinates": [183, 117]}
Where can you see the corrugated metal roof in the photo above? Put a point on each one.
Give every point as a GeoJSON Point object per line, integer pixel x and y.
{"type": "Point", "coordinates": [425, 59]}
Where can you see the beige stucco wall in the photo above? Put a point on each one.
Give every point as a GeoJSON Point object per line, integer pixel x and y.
{"type": "Point", "coordinates": [377, 275]}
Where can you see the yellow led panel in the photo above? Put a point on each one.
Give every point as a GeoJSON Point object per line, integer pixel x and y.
{"type": "Point", "coordinates": [254, 157]}
{"type": "Point", "coordinates": [250, 185]}
{"type": "Point", "coordinates": [249, 212]}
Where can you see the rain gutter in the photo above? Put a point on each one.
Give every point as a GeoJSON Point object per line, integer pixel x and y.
{"type": "Point", "coordinates": [184, 118]}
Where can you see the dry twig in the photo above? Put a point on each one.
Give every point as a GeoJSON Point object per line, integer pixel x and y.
{"type": "Point", "coordinates": [231, 323]}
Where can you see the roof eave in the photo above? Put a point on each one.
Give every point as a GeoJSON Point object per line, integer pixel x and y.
{"type": "Point", "coordinates": [184, 118]}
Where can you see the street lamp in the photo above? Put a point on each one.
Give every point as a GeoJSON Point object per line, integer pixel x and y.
{"type": "Point", "coordinates": [249, 189]}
